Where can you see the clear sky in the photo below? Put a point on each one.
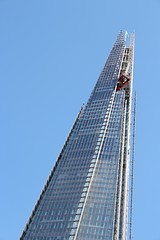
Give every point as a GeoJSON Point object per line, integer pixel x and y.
{"type": "Point", "coordinates": [51, 54]}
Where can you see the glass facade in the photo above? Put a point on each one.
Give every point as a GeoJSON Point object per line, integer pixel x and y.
{"type": "Point", "coordinates": [85, 196]}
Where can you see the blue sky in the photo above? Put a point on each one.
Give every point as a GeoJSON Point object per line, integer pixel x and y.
{"type": "Point", "coordinates": [51, 54]}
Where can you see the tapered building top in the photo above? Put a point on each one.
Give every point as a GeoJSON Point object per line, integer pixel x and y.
{"type": "Point", "coordinates": [86, 194]}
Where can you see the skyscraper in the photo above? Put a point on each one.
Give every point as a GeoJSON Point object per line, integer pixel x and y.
{"type": "Point", "coordinates": [86, 195]}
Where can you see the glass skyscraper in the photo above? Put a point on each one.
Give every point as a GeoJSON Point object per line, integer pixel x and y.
{"type": "Point", "coordinates": [86, 195]}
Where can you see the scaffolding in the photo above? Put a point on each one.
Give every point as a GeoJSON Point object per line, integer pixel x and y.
{"type": "Point", "coordinates": [132, 168]}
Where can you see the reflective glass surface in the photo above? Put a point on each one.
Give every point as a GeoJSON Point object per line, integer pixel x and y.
{"type": "Point", "coordinates": [78, 201]}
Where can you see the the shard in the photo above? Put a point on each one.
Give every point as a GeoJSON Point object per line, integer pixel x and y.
{"type": "Point", "coordinates": [86, 195]}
